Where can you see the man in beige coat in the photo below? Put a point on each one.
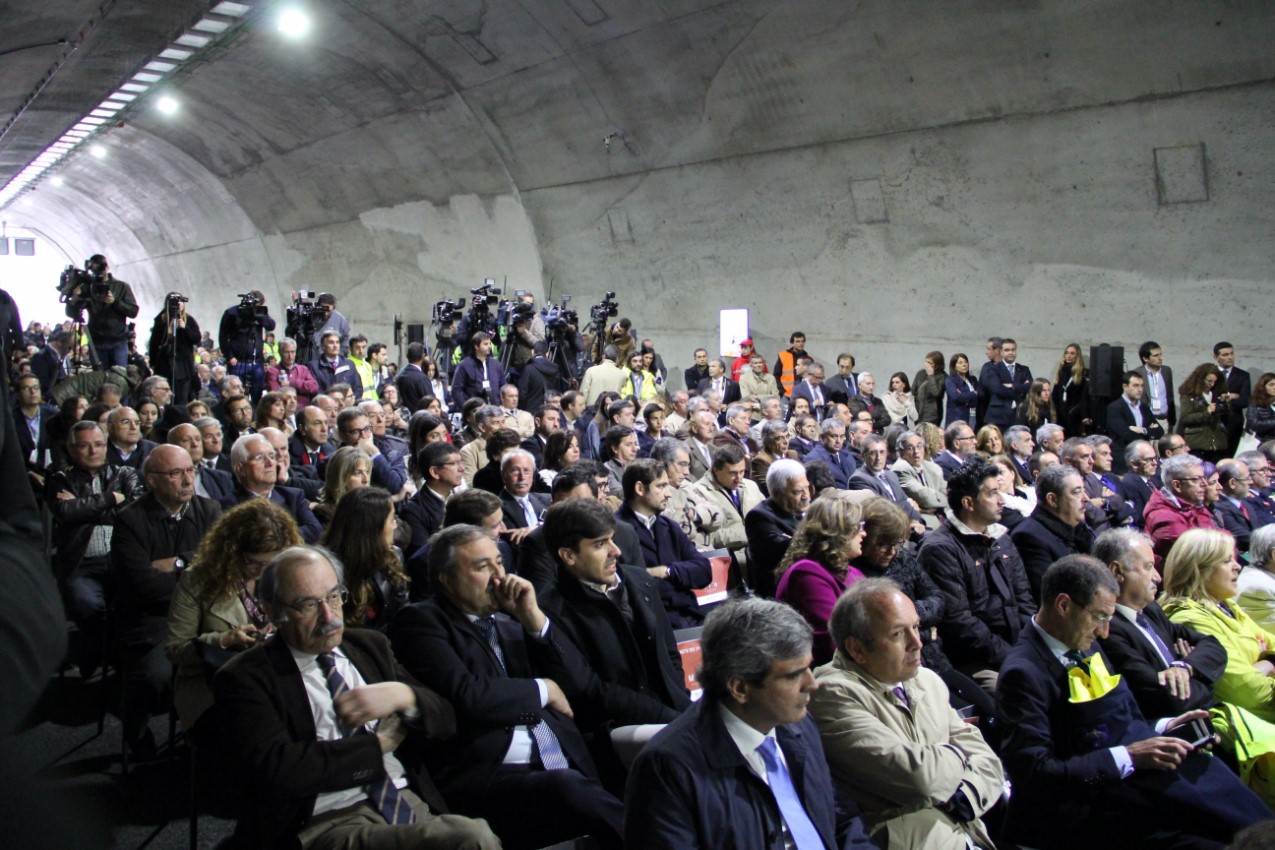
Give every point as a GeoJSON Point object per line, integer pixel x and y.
{"type": "Point", "coordinates": [727, 487]}
{"type": "Point", "coordinates": [922, 479]}
{"type": "Point", "coordinates": [921, 775]}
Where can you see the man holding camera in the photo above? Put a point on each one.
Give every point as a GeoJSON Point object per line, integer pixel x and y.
{"type": "Point", "coordinates": [174, 336]}
{"type": "Point", "coordinates": [110, 304]}
{"type": "Point", "coordinates": [241, 338]}
{"type": "Point", "coordinates": [330, 321]}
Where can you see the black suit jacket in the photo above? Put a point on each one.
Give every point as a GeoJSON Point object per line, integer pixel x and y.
{"type": "Point", "coordinates": [48, 366]}
{"type": "Point", "coordinates": [537, 564]}
{"type": "Point", "coordinates": [293, 501]}
{"type": "Point", "coordinates": [536, 445]}
{"type": "Point", "coordinates": [1140, 663]}
{"type": "Point", "coordinates": [1237, 382]}
{"type": "Point", "coordinates": [299, 455]}
{"type": "Point", "coordinates": [1120, 420]}
{"type": "Point", "coordinates": [638, 668]}
{"type": "Point", "coordinates": [730, 393]}
{"type": "Point", "coordinates": [144, 448]}
{"type": "Point", "coordinates": [266, 715]}
{"type": "Point", "coordinates": [438, 645]}
{"type": "Point", "coordinates": [424, 514]}
{"type": "Point", "coordinates": [801, 389]}
{"type": "Point", "coordinates": [1136, 494]}
{"type": "Point", "coordinates": [666, 545]}
{"type": "Point", "coordinates": [412, 386]}
{"type": "Point", "coordinates": [512, 511]}
{"type": "Point", "coordinates": [220, 486]}
{"type": "Point", "coordinates": [890, 489]}
{"type": "Point", "coordinates": [769, 532]}
{"type": "Point", "coordinates": [27, 445]}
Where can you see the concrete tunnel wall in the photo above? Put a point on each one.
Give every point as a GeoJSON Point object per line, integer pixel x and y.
{"type": "Point", "coordinates": [888, 177]}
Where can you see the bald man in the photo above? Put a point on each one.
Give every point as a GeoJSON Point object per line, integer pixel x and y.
{"type": "Point", "coordinates": [210, 482]}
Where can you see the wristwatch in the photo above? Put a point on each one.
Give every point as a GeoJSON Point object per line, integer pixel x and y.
{"type": "Point", "coordinates": [179, 564]}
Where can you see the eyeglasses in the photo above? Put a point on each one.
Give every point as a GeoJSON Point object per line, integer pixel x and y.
{"type": "Point", "coordinates": [177, 474]}
{"type": "Point", "coordinates": [365, 431]}
{"type": "Point", "coordinates": [1102, 618]}
{"type": "Point", "coordinates": [1193, 479]}
{"type": "Point", "coordinates": [261, 457]}
{"type": "Point", "coordinates": [309, 606]}
{"type": "Point", "coordinates": [892, 548]}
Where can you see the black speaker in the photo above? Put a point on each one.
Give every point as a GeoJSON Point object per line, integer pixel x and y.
{"type": "Point", "coordinates": [415, 333]}
{"type": "Point", "coordinates": [1106, 370]}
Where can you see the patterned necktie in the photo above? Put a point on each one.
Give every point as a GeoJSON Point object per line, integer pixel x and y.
{"type": "Point", "coordinates": [803, 832]}
{"type": "Point", "coordinates": [550, 751]}
{"type": "Point", "coordinates": [1077, 658]}
{"type": "Point", "coordinates": [1145, 624]}
{"type": "Point", "coordinates": [382, 792]}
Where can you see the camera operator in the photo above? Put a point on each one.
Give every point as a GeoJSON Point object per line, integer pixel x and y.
{"type": "Point", "coordinates": [110, 304]}
{"type": "Point", "coordinates": [536, 328]}
{"type": "Point", "coordinates": [241, 339]}
{"type": "Point", "coordinates": [174, 336]}
{"type": "Point", "coordinates": [479, 375]}
{"type": "Point", "coordinates": [330, 321]}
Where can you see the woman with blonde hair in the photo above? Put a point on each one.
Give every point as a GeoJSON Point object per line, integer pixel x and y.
{"type": "Point", "coordinates": [989, 441]}
{"type": "Point", "coordinates": [215, 610]}
{"type": "Point", "coordinates": [933, 437]}
{"type": "Point", "coordinates": [816, 569]}
{"type": "Point", "coordinates": [1200, 589]}
{"type": "Point", "coordinates": [348, 469]}
{"type": "Point", "coordinates": [1037, 409]}
{"type": "Point", "coordinates": [1070, 397]}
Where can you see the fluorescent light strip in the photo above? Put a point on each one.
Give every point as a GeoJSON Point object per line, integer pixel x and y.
{"type": "Point", "coordinates": [234, 10]}
{"type": "Point", "coordinates": [144, 77]}
{"type": "Point", "coordinates": [176, 53]}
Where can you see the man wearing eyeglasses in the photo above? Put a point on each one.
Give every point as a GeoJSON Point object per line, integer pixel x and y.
{"type": "Point", "coordinates": [959, 446]}
{"type": "Point", "coordinates": [154, 539]}
{"type": "Point", "coordinates": [1178, 505]}
{"type": "Point", "coordinates": [1231, 509]}
{"type": "Point", "coordinates": [1095, 772]}
{"type": "Point", "coordinates": [126, 448]}
{"type": "Point", "coordinates": [322, 718]}
{"type": "Point", "coordinates": [440, 468]}
{"type": "Point", "coordinates": [354, 429]}
{"type": "Point", "coordinates": [256, 471]}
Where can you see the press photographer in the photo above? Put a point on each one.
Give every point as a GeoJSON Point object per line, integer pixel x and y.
{"type": "Point", "coordinates": [241, 337]}
{"type": "Point", "coordinates": [174, 337]}
{"type": "Point", "coordinates": [330, 321]}
{"type": "Point", "coordinates": [110, 304]}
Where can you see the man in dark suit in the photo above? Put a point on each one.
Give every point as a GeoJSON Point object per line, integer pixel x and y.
{"type": "Point", "coordinates": [1019, 375]}
{"type": "Point", "coordinates": [812, 390]}
{"type": "Point", "coordinates": [32, 419]}
{"type": "Point", "coordinates": [959, 446]}
{"type": "Point", "coordinates": [256, 477]}
{"type": "Point", "coordinates": [1056, 526]}
{"type": "Point", "coordinates": [995, 389]}
{"type": "Point", "coordinates": [1170, 668]}
{"type": "Point", "coordinates": [209, 482]}
{"type": "Point", "coordinates": [439, 464]}
{"type": "Point", "coordinates": [1130, 418]}
{"type": "Point", "coordinates": [1096, 773]}
{"type": "Point", "coordinates": [413, 385]}
{"type": "Point", "coordinates": [309, 445]}
{"type": "Point", "coordinates": [874, 476]}
{"type": "Point", "coordinates": [771, 525]}
{"type": "Point", "coordinates": [539, 375]}
{"type": "Point", "coordinates": [547, 419]}
{"type": "Point", "coordinates": [1237, 388]}
{"type": "Point", "coordinates": [696, 785]}
{"type": "Point", "coordinates": [1232, 509]}
{"type": "Point", "coordinates": [1260, 505]}
{"type": "Point", "coordinates": [844, 385]}
{"type": "Point", "coordinates": [1020, 445]}
{"type": "Point", "coordinates": [303, 478]}
{"type": "Point", "coordinates": [1159, 389]}
{"type": "Point", "coordinates": [126, 446]}
{"type": "Point", "coordinates": [831, 450]}
{"type": "Point", "coordinates": [517, 755]}
{"type": "Point", "coordinates": [216, 454]}
{"type": "Point", "coordinates": [49, 363]}
{"type": "Point", "coordinates": [667, 553]}
{"type": "Point", "coordinates": [317, 766]}
{"type": "Point", "coordinates": [612, 612]}
{"type": "Point", "coordinates": [1137, 485]}
{"type": "Point", "coordinates": [719, 379]}
{"type": "Point", "coordinates": [331, 368]}
{"type": "Point", "coordinates": [522, 508]}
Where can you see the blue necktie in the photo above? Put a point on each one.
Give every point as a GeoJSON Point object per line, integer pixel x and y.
{"type": "Point", "coordinates": [382, 792]}
{"type": "Point", "coordinates": [1145, 624]}
{"type": "Point", "coordinates": [803, 832]}
{"type": "Point", "coordinates": [547, 745]}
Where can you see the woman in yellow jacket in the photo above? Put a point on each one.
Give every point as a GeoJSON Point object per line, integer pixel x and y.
{"type": "Point", "coordinates": [1199, 592]}
{"type": "Point", "coordinates": [638, 382]}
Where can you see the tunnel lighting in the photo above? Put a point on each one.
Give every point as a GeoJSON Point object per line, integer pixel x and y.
{"type": "Point", "coordinates": [167, 105]}
{"type": "Point", "coordinates": [179, 54]}
{"type": "Point", "coordinates": [103, 113]}
{"type": "Point", "coordinates": [98, 151]}
{"type": "Point", "coordinates": [57, 180]}
{"type": "Point", "coordinates": [293, 22]}
{"type": "Point", "coordinates": [144, 77]}
{"type": "Point", "coordinates": [234, 10]}
{"type": "Point", "coordinates": [192, 39]}
{"type": "Point", "coordinates": [134, 87]}
{"type": "Point", "coordinates": [159, 67]}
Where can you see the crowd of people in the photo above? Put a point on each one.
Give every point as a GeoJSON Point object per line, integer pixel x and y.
{"type": "Point", "coordinates": [445, 605]}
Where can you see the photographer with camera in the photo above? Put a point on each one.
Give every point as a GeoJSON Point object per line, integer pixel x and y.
{"type": "Point", "coordinates": [479, 375]}
{"type": "Point", "coordinates": [174, 336]}
{"type": "Point", "coordinates": [330, 321]}
{"type": "Point", "coordinates": [241, 337]}
{"type": "Point", "coordinates": [110, 304]}
{"type": "Point", "coordinates": [480, 318]}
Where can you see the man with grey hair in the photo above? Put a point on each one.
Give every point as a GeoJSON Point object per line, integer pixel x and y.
{"type": "Point", "coordinates": [735, 430]}
{"type": "Point", "coordinates": [1232, 509]}
{"type": "Point", "coordinates": [771, 525]}
{"type": "Point", "coordinates": [483, 642]}
{"type": "Point", "coordinates": [1169, 667]}
{"type": "Point", "coordinates": [921, 478]}
{"type": "Point", "coordinates": [215, 456]}
{"type": "Point", "coordinates": [1050, 437]}
{"type": "Point", "coordinates": [922, 775]}
{"type": "Point", "coordinates": [811, 388]}
{"type": "Point", "coordinates": [256, 471]}
{"type": "Point", "coordinates": [1259, 500]}
{"type": "Point", "coordinates": [680, 401]}
{"type": "Point", "coordinates": [1056, 526]}
{"type": "Point", "coordinates": [686, 507]}
{"type": "Point", "coordinates": [876, 408]}
{"type": "Point", "coordinates": [874, 476]}
{"type": "Point", "coordinates": [831, 450]}
{"type": "Point", "coordinates": [1178, 505]}
{"type": "Point", "coordinates": [317, 716]}
{"type": "Point", "coordinates": [487, 420]}
{"type": "Point", "coordinates": [1107, 507]}
{"type": "Point", "coordinates": [289, 373]}
{"type": "Point", "coordinates": [522, 509]}
{"type": "Point", "coordinates": [1019, 442]}
{"type": "Point", "coordinates": [1256, 584]}
{"type": "Point", "coordinates": [743, 767]}
{"type": "Point", "coordinates": [772, 410]}
{"type": "Point", "coordinates": [127, 446]}
{"type": "Point", "coordinates": [602, 377]}
{"type": "Point", "coordinates": [1142, 479]}
{"type": "Point", "coordinates": [958, 446]}
{"type": "Point", "coordinates": [1095, 773]}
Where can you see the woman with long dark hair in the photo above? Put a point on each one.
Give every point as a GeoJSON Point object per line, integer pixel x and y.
{"type": "Point", "coordinates": [929, 389]}
{"type": "Point", "coordinates": [173, 354]}
{"type": "Point", "coordinates": [1199, 417]}
{"type": "Point", "coordinates": [962, 391]}
{"type": "Point", "coordinates": [361, 535]}
{"type": "Point", "coordinates": [1037, 409]}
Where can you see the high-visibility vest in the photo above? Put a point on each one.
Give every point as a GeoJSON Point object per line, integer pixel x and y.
{"type": "Point", "coordinates": [787, 371]}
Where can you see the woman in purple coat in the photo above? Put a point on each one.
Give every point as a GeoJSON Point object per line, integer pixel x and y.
{"type": "Point", "coordinates": [816, 570]}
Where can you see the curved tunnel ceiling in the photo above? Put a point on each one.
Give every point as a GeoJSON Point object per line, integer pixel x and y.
{"type": "Point", "coordinates": [404, 150]}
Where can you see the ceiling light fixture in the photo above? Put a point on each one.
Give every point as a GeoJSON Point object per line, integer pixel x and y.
{"type": "Point", "coordinates": [293, 22]}
{"type": "Point", "coordinates": [167, 105]}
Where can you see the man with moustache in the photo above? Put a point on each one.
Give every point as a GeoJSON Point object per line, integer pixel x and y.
{"type": "Point", "coordinates": [320, 716]}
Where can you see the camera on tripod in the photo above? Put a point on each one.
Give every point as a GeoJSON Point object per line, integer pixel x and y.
{"type": "Point", "coordinates": [608, 308]}
{"type": "Point", "coordinates": [173, 304]}
{"type": "Point", "coordinates": [92, 276]}
{"type": "Point", "coordinates": [559, 318]}
{"type": "Point", "coordinates": [447, 312]}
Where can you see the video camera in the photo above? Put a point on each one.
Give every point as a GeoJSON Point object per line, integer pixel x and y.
{"type": "Point", "coordinates": [559, 318]}
{"type": "Point", "coordinates": [250, 308]}
{"type": "Point", "coordinates": [607, 308]}
{"type": "Point", "coordinates": [515, 311]}
{"type": "Point", "coordinates": [93, 275]}
{"type": "Point", "coordinates": [447, 312]}
{"type": "Point", "coordinates": [173, 304]}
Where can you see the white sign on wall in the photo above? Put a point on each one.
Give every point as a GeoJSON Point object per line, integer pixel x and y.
{"type": "Point", "coordinates": [734, 330]}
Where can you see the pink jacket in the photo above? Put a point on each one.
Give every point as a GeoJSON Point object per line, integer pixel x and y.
{"type": "Point", "coordinates": [812, 590]}
{"type": "Point", "coordinates": [1167, 516]}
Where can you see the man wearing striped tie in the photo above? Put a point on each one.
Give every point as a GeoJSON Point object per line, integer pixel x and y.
{"type": "Point", "coordinates": [319, 715]}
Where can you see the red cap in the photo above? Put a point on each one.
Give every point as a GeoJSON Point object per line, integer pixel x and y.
{"type": "Point", "coordinates": [747, 342]}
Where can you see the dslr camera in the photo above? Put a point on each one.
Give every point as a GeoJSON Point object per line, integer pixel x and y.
{"type": "Point", "coordinates": [173, 304]}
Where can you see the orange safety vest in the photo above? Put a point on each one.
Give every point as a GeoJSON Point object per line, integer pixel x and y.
{"type": "Point", "coordinates": [787, 372]}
